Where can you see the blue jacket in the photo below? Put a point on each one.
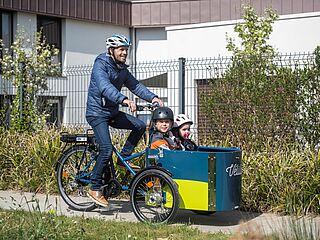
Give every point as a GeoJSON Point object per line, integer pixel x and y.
{"type": "Point", "coordinates": [107, 79]}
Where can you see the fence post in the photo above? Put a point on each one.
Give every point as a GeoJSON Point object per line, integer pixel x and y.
{"type": "Point", "coordinates": [182, 86]}
{"type": "Point", "coordinates": [21, 66]}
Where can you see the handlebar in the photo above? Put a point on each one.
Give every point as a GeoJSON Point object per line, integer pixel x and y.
{"type": "Point", "coordinates": [148, 106]}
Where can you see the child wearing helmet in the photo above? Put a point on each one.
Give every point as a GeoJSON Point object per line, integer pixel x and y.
{"type": "Point", "coordinates": [162, 120]}
{"type": "Point", "coordinates": [181, 131]}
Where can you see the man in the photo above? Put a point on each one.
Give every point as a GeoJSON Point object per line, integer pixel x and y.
{"type": "Point", "coordinates": [108, 75]}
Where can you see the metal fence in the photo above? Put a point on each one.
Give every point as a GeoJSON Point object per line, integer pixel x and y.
{"type": "Point", "coordinates": [180, 83]}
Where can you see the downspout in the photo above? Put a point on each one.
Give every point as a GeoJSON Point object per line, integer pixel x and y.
{"type": "Point", "coordinates": [133, 37]}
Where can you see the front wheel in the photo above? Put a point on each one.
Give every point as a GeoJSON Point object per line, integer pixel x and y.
{"type": "Point", "coordinates": [73, 177]}
{"type": "Point", "coordinates": [154, 197]}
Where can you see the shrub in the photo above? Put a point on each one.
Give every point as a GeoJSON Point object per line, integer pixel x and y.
{"type": "Point", "coordinates": [28, 160]}
{"type": "Point", "coordinates": [27, 63]}
{"type": "Point", "coordinates": [282, 179]}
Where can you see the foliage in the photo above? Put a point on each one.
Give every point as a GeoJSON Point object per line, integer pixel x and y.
{"type": "Point", "coordinates": [261, 94]}
{"type": "Point", "coordinates": [283, 179]}
{"type": "Point", "coordinates": [28, 160]}
{"type": "Point", "coordinates": [27, 64]}
{"type": "Point", "coordinates": [308, 100]}
{"type": "Point", "coordinates": [37, 225]}
{"type": "Point", "coordinates": [254, 33]}
{"type": "Point", "coordinates": [264, 106]}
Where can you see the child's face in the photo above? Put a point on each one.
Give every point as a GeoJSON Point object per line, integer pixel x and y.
{"type": "Point", "coordinates": [184, 130]}
{"type": "Point", "coordinates": [163, 125]}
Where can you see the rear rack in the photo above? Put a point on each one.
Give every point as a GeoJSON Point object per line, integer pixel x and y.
{"type": "Point", "coordinates": [78, 137]}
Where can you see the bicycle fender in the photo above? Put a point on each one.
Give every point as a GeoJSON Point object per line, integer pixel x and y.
{"type": "Point", "coordinates": [150, 168]}
{"type": "Point", "coordinates": [64, 153]}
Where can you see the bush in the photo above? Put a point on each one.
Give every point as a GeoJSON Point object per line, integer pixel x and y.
{"type": "Point", "coordinates": [29, 160]}
{"type": "Point", "coordinates": [282, 179]}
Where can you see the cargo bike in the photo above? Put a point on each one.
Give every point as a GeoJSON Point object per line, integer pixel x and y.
{"type": "Point", "coordinates": [204, 181]}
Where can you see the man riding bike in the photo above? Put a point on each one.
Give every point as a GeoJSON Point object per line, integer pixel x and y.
{"type": "Point", "coordinates": [108, 75]}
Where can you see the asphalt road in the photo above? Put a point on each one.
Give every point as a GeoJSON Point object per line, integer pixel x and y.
{"type": "Point", "coordinates": [120, 210]}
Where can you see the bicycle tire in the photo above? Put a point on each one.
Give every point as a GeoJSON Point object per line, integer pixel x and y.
{"type": "Point", "coordinates": [154, 197]}
{"type": "Point", "coordinates": [72, 189]}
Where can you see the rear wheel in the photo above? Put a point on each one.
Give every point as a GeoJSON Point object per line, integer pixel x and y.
{"type": "Point", "coordinates": [154, 196]}
{"type": "Point", "coordinates": [73, 177]}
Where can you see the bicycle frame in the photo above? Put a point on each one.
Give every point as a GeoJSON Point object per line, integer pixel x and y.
{"type": "Point", "coordinates": [124, 160]}
{"type": "Point", "coordinates": [85, 177]}
{"type": "Point", "coordinates": [153, 194]}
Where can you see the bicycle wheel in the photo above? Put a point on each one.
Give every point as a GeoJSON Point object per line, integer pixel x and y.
{"type": "Point", "coordinates": [73, 178]}
{"type": "Point", "coordinates": [154, 197]}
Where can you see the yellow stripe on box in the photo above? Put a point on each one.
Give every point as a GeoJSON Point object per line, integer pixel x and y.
{"type": "Point", "coordinates": [193, 194]}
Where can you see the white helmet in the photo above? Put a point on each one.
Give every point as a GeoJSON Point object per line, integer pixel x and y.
{"type": "Point", "coordinates": [181, 119]}
{"type": "Point", "coordinates": [117, 40]}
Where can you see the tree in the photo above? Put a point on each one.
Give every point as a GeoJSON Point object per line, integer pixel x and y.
{"type": "Point", "coordinates": [251, 100]}
{"type": "Point", "coordinates": [28, 64]}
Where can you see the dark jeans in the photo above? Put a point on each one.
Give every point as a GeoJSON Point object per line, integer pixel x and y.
{"type": "Point", "coordinates": [100, 127]}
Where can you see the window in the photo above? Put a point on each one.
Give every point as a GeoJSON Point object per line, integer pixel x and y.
{"type": "Point", "coordinates": [5, 110]}
{"type": "Point", "coordinates": [51, 31]}
{"type": "Point", "coordinates": [160, 81]}
{"type": "Point", "coordinates": [53, 107]}
{"type": "Point", "coordinates": [6, 34]}
{"type": "Point", "coordinates": [6, 29]}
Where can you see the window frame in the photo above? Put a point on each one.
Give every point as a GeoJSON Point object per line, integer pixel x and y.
{"type": "Point", "coordinates": [10, 29]}
{"type": "Point", "coordinates": [41, 20]}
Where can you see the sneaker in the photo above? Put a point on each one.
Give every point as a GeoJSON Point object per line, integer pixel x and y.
{"type": "Point", "coordinates": [133, 166]}
{"type": "Point", "coordinates": [98, 198]}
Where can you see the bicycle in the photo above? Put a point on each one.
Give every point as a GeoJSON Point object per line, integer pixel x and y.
{"type": "Point", "coordinates": [154, 196]}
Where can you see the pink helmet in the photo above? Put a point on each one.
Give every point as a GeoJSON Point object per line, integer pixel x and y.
{"type": "Point", "coordinates": [181, 119]}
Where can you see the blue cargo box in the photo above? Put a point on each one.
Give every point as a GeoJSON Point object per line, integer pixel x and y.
{"type": "Point", "coordinates": [208, 179]}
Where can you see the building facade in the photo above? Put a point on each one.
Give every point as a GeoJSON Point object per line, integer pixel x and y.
{"type": "Point", "coordinates": [159, 29]}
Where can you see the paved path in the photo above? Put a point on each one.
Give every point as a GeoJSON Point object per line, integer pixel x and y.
{"type": "Point", "coordinates": [231, 222]}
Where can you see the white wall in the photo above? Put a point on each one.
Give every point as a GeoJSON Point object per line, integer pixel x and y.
{"type": "Point", "coordinates": [291, 33]}
{"type": "Point", "coordinates": [151, 44]}
{"type": "Point", "coordinates": [296, 33]}
{"type": "Point", "coordinates": [83, 41]}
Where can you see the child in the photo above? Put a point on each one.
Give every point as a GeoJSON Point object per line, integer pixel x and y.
{"type": "Point", "coordinates": [181, 130]}
{"type": "Point", "coordinates": [162, 137]}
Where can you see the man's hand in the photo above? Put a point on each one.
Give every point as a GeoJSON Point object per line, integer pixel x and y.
{"type": "Point", "coordinates": [131, 105]}
{"type": "Point", "coordinates": [158, 100]}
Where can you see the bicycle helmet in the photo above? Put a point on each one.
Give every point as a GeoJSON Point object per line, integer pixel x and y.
{"type": "Point", "coordinates": [117, 40]}
{"type": "Point", "coordinates": [162, 113]}
{"type": "Point", "coordinates": [181, 119]}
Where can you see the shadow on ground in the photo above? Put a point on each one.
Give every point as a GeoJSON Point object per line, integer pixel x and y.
{"type": "Point", "coordinates": [229, 218]}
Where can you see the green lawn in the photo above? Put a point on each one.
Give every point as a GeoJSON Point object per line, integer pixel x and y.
{"type": "Point", "coordinates": [33, 225]}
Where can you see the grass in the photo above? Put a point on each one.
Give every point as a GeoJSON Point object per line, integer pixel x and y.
{"type": "Point", "coordinates": [21, 224]}
{"type": "Point", "coordinates": [35, 225]}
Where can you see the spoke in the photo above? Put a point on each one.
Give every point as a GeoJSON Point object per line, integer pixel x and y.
{"type": "Point", "coordinates": [149, 198]}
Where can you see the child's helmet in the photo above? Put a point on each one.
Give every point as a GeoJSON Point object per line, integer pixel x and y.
{"type": "Point", "coordinates": [118, 40]}
{"type": "Point", "coordinates": [181, 119]}
{"type": "Point", "coordinates": [162, 113]}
